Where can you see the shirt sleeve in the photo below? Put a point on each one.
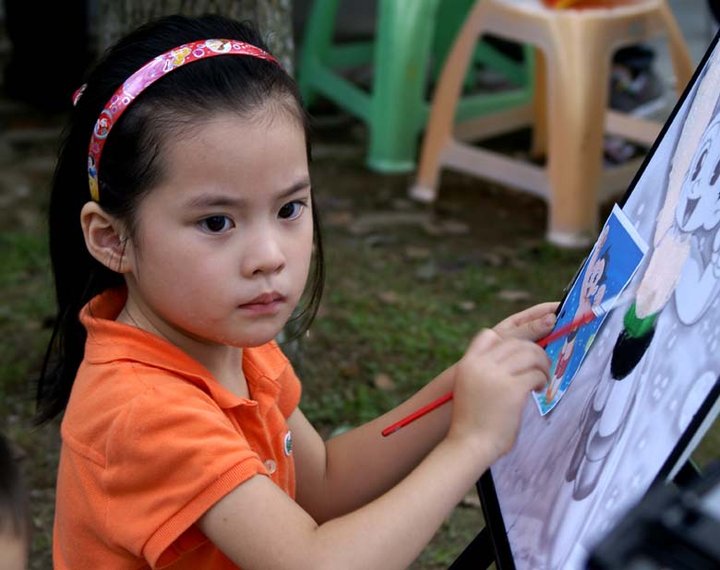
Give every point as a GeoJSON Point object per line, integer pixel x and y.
{"type": "Point", "coordinates": [290, 386]}
{"type": "Point", "coordinates": [172, 454]}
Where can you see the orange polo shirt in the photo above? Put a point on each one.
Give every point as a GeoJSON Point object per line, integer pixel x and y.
{"type": "Point", "coordinates": [150, 441]}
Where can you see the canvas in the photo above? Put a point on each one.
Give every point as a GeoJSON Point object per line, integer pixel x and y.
{"type": "Point", "coordinates": [648, 385]}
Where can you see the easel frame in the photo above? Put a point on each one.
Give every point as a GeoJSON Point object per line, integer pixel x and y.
{"type": "Point", "coordinates": [492, 545]}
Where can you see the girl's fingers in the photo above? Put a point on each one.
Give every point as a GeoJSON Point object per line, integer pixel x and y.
{"type": "Point", "coordinates": [533, 378]}
{"type": "Point", "coordinates": [540, 310]}
{"type": "Point", "coordinates": [484, 341]}
{"type": "Point", "coordinates": [522, 363]}
{"type": "Point", "coordinates": [530, 324]}
{"type": "Point", "coordinates": [536, 329]}
{"type": "Point", "coordinates": [520, 356]}
{"type": "Point", "coordinates": [534, 312]}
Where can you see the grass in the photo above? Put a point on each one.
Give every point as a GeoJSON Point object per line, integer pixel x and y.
{"type": "Point", "coordinates": [407, 288]}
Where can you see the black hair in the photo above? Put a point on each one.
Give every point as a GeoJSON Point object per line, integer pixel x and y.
{"type": "Point", "coordinates": [14, 519]}
{"type": "Point", "coordinates": [132, 165]}
{"type": "Point", "coordinates": [605, 256]}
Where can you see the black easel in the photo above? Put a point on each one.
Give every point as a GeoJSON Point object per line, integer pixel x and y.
{"type": "Point", "coordinates": [478, 554]}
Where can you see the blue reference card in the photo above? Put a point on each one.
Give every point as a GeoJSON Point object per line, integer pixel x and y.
{"type": "Point", "coordinates": [613, 261]}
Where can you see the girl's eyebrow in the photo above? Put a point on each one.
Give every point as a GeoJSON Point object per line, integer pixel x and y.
{"type": "Point", "coordinates": [303, 184]}
{"type": "Point", "coordinates": [221, 200]}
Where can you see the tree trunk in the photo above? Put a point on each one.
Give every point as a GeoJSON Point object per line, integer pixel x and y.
{"type": "Point", "coordinates": [273, 18]}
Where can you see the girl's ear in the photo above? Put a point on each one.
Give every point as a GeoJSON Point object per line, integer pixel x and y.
{"type": "Point", "coordinates": [105, 237]}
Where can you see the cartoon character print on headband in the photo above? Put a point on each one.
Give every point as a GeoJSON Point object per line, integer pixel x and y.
{"type": "Point", "coordinates": [219, 46]}
{"type": "Point", "coordinates": [92, 175]}
{"type": "Point", "coordinates": [178, 58]}
{"type": "Point", "coordinates": [157, 67]}
{"type": "Point", "coordinates": [102, 127]}
{"type": "Point", "coordinates": [148, 74]}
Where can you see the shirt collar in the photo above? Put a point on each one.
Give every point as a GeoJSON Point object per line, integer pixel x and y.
{"type": "Point", "coordinates": [111, 341]}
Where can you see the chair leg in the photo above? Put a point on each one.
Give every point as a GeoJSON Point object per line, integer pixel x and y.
{"type": "Point", "coordinates": [402, 50]}
{"type": "Point", "coordinates": [577, 101]}
{"type": "Point", "coordinates": [442, 111]}
{"type": "Point", "coordinates": [539, 104]}
{"type": "Point", "coordinates": [450, 17]}
{"type": "Point", "coordinates": [316, 45]}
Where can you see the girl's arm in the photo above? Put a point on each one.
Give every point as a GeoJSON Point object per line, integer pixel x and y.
{"type": "Point", "coordinates": [258, 526]}
{"type": "Point", "coordinates": [357, 466]}
{"type": "Point", "coordinates": [349, 470]}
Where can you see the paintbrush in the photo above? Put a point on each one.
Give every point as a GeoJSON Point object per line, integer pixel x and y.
{"type": "Point", "coordinates": [598, 311]}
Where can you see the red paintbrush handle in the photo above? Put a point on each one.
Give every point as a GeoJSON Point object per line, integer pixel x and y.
{"type": "Point", "coordinates": [566, 329]}
{"type": "Point", "coordinates": [420, 412]}
{"type": "Point", "coordinates": [543, 342]}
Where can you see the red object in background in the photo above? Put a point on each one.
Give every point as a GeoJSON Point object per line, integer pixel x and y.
{"type": "Point", "coordinates": [560, 4]}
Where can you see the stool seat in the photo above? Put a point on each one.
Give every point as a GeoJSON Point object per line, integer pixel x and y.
{"type": "Point", "coordinates": [569, 113]}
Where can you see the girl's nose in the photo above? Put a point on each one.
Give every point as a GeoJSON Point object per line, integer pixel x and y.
{"type": "Point", "coordinates": [263, 254]}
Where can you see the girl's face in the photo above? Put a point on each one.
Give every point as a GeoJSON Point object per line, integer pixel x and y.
{"type": "Point", "coordinates": [223, 244]}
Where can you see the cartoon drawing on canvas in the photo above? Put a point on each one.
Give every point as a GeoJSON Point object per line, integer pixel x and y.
{"type": "Point", "coordinates": [573, 472]}
{"type": "Point", "coordinates": [684, 264]}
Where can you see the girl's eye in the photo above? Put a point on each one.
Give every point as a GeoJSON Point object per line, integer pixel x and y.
{"type": "Point", "coordinates": [216, 224]}
{"type": "Point", "coordinates": [291, 210]}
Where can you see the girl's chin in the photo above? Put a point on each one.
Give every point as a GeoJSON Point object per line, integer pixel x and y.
{"type": "Point", "coordinates": [238, 334]}
{"type": "Point", "coordinates": [251, 340]}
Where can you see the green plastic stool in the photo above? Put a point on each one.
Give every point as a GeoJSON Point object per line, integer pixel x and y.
{"type": "Point", "coordinates": [408, 50]}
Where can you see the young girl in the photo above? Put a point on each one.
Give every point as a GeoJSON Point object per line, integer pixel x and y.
{"type": "Point", "coordinates": [176, 266]}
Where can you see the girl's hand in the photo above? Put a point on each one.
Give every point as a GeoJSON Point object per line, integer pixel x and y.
{"type": "Point", "coordinates": [492, 382]}
{"type": "Point", "coordinates": [530, 324]}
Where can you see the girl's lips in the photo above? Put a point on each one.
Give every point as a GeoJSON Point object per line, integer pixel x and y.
{"type": "Point", "coordinates": [267, 303]}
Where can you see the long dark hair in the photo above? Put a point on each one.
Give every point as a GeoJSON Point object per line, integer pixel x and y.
{"type": "Point", "coordinates": [130, 165]}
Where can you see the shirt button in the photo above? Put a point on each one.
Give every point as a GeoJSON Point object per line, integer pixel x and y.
{"type": "Point", "coordinates": [271, 466]}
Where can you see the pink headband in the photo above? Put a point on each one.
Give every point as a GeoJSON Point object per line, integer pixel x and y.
{"type": "Point", "coordinates": [146, 76]}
